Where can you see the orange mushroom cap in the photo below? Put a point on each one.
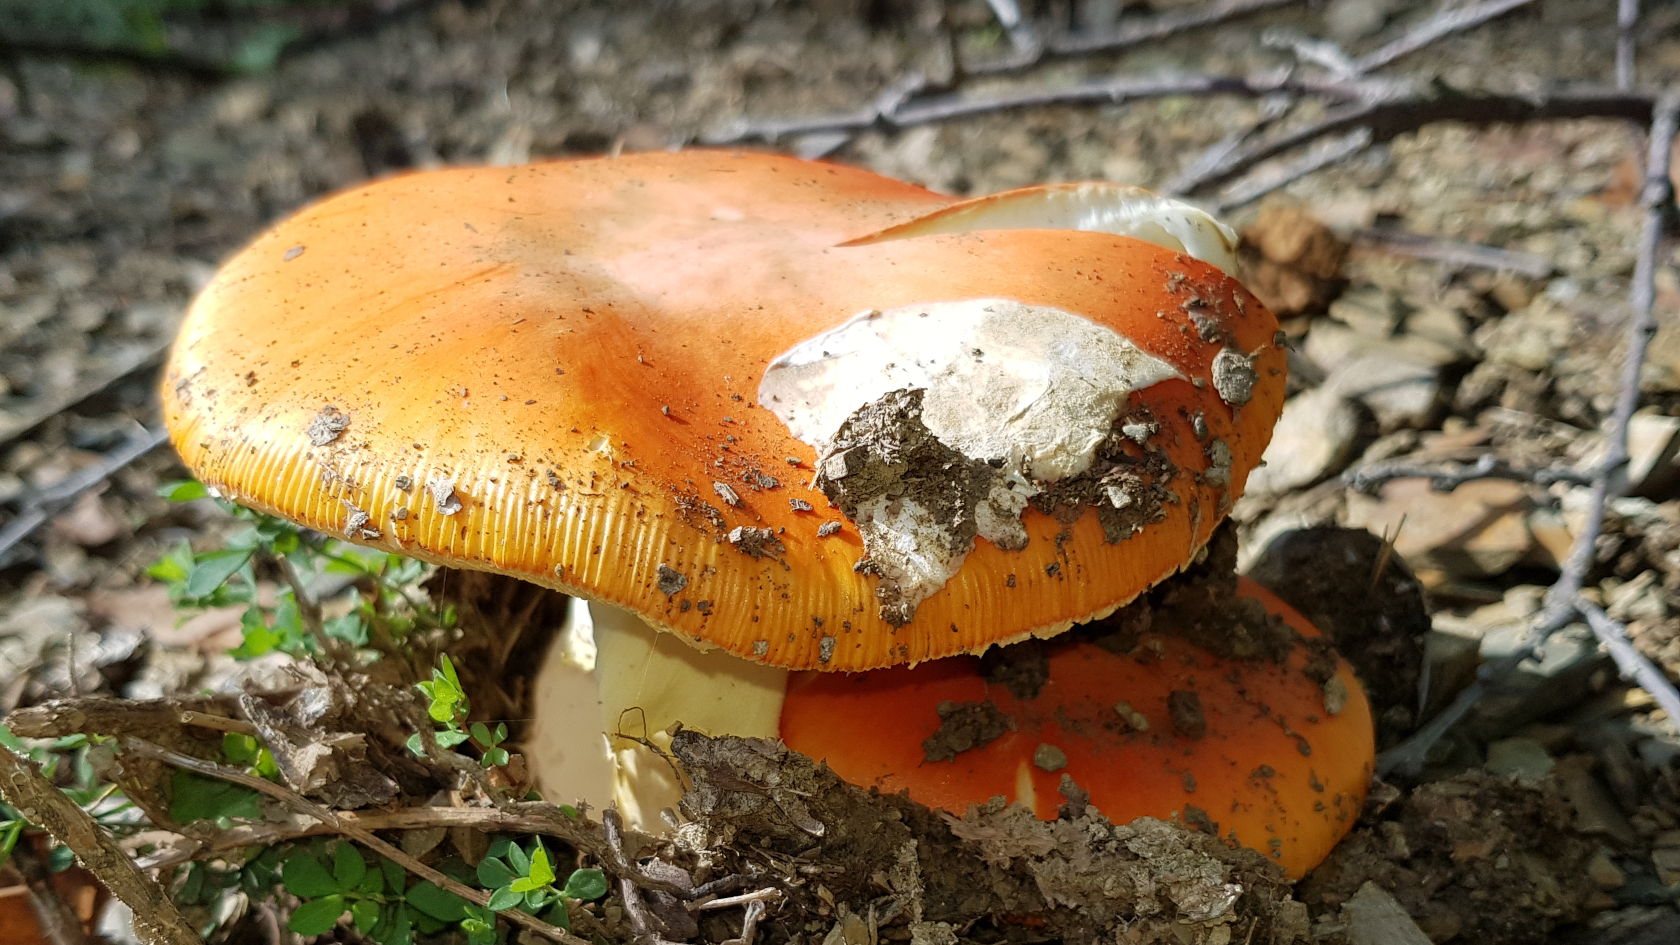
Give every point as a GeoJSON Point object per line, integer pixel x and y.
{"type": "Point", "coordinates": [1273, 770]}
{"type": "Point", "coordinates": [571, 353]}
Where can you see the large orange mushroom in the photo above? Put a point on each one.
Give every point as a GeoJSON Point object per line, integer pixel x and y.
{"type": "Point", "coordinates": [797, 415]}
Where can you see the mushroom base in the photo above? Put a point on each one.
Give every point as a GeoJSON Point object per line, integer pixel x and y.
{"type": "Point", "coordinates": [611, 693]}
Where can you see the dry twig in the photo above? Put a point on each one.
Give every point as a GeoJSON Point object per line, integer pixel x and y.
{"type": "Point", "coordinates": [60, 494]}
{"type": "Point", "coordinates": [1563, 599]}
{"type": "Point", "coordinates": [341, 825]}
{"type": "Point", "coordinates": [1443, 24]}
{"type": "Point", "coordinates": [156, 920]}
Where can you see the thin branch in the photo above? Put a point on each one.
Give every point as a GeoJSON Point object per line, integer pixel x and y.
{"type": "Point", "coordinates": [1405, 107]}
{"type": "Point", "coordinates": [1633, 665]}
{"type": "Point", "coordinates": [156, 920]}
{"type": "Point", "coordinates": [59, 923]}
{"type": "Point", "coordinates": [60, 494]}
{"type": "Point", "coordinates": [749, 924]}
{"type": "Point", "coordinates": [1442, 24]}
{"type": "Point", "coordinates": [1563, 597]}
{"type": "Point", "coordinates": [1451, 253]}
{"type": "Point", "coordinates": [1130, 35]}
{"type": "Point", "coordinates": [1627, 23]}
{"type": "Point", "coordinates": [1368, 479]}
{"type": "Point", "coordinates": [525, 818]}
{"type": "Point", "coordinates": [622, 865]}
{"type": "Point", "coordinates": [1324, 154]}
{"type": "Point", "coordinates": [302, 805]}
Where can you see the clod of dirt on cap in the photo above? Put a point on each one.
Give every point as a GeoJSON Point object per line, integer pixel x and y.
{"type": "Point", "coordinates": [1229, 758]}
{"type": "Point", "coordinates": [1043, 473]}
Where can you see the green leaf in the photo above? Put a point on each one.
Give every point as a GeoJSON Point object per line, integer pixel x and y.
{"type": "Point", "coordinates": [395, 876]}
{"type": "Point", "coordinates": [284, 543]}
{"type": "Point", "coordinates": [501, 734]}
{"type": "Point", "coordinates": [481, 734]}
{"type": "Point", "coordinates": [519, 859]}
{"type": "Point", "coordinates": [183, 490]}
{"type": "Point", "coordinates": [495, 757]}
{"type": "Point", "coordinates": [348, 866]}
{"type": "Point", "coordinates": [541, 872]}
{"type": "Point", "coordinates": [9, 835]}
{"type": "Point", "coordinates": [493, 873]}
{"type": "Point", "coordinates": [438, 903]}
{"type": "Point", "coordinates": [535, 899]}
{"type": "Point", "coordinates": [449, 674]}
{"type": "Point", "coordinates": [317, 915]}
{"type": "Point", "coordinates": [212, 569]}
{"type": "Point", "coordinates": [305, 877]}
{"type": "Point", "coordinates": [365, 914]}
{"type": "Point", "coordinates": [399, 931]}
{"type": "Point", "coordinates": [559, 915]}
{"type": "Point", "coordinates": [175, 566]}
{"type": "Point", "coordinates": [240, 749]}
{"type": "Point", "coordinates": [350, 628]}
{"type": "Point", "coordinates": [585, 885]}
{"type": "Point", "coordinates": [505, 898]}
{"type": "Point", "coordinates": [449, 739]}
{"type": "Point", "coordinates": [194, 885]}
{"type": "Point", "coordinates": [373, 884]}
{"type": "Point", "coordinates": [195, 797]}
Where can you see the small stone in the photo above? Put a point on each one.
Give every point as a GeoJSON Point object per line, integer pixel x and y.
{"type": "Point", "coordinates": [1135, 720]}
{"type": "Point", "coordinates": [1604, 872]}
{"type": "Point", "coordinates": [1400, 394]}
{"type": "Point", "coordinates": [1667, 862]}
{"type": "Point", "coordinates": [1374, 917]}
{"type": "Point", "coordinates": [327, 425]}
{"type": "Point", "coordinates": [1479, 529]}
{"type": "Point", "coordinates": [828, 528]}
{"type": "Point", "coordinates": [727, 493]}
{"type": "Point", "coordinates": [1048, 757]}
{"type": "Point", "coordinates": [442, 490]}
{"type": "Point", "coordinates": [799, 505]}
{"type": "Point", "coordinates": [1335, 695]}
{"type": "Point", "coordinates": [671, 580]}
{"type": "Point", "coordinates": [1314, 438]}
{"type": "Point", "coordinates": [1185, 709]}
{"type": "Point", "coordinates": [1522, 759]}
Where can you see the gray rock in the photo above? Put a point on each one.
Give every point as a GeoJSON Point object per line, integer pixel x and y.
{"type": "Point", "coordinates": [1313, 439]}
{"type": "Point", "coordinates": [1399, 393]}
{"type": "Point", "coordinates": [1524, 759]}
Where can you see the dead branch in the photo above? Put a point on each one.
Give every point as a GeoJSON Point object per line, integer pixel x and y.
{"type": "Point", "coordinates": [1562, 604]}
{"type": "Point", "coordinates": [1451, 253]}
{"type": "Point", "coordinates": [1633, 665]}
{"type": "Point", "coordinates": [1442, 24]}
{"type": "Point", "coordinates": [156, 920]}
{"type": "Point", "coordinates": [524, 818]}
{"type": "Point", "coordinates": [1325, 153]}
{"type": "Point", "coordinates": [299, 804]}
{"type": "Point", "coordinates": [1627, 21]}
{"type": "Point", "coordinates": [1368, 479]}
{"type": "Point", "coordinates": [1406, 107]}
{"type": "Point", "coordinates": [59, 495]}
{"type": "Point", "coordinates": [1128, 36]}
{"type": "Point", "coordinates": [58, 922]}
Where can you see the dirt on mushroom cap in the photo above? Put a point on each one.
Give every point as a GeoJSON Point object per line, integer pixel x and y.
{"type": "Point", "coordinates": [628, 277]}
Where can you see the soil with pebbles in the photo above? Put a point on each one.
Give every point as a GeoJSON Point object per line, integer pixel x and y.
{"type": "Point", "coordinates": [121, 186]}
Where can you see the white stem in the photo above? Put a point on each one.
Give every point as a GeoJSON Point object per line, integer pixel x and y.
{"type": "Point", "coordinates": [648, 681]}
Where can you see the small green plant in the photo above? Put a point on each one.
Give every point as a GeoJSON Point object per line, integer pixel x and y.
{"type": "Point", "coordinates": [374, 898]}
{"type": "Point", "coordinates": [521, 878]}
{"type": "Point", "coordinates": [385, 611]}
{"type": "Point", "coordinates": [450, 706]}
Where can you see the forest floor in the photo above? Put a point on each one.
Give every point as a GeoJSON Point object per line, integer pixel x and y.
{"type": "Point", "coordinates": [1474, 304]}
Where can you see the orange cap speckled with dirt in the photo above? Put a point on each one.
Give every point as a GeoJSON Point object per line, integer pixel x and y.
{"type": "Point", "coordinates": [682, 384]}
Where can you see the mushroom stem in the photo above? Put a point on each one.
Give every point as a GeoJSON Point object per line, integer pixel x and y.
{"type": "Point", "coordinates": [648, 681]}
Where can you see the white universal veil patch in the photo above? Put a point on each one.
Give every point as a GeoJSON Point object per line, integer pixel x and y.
{"type": "Point", "coordinates": [935, 424]}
